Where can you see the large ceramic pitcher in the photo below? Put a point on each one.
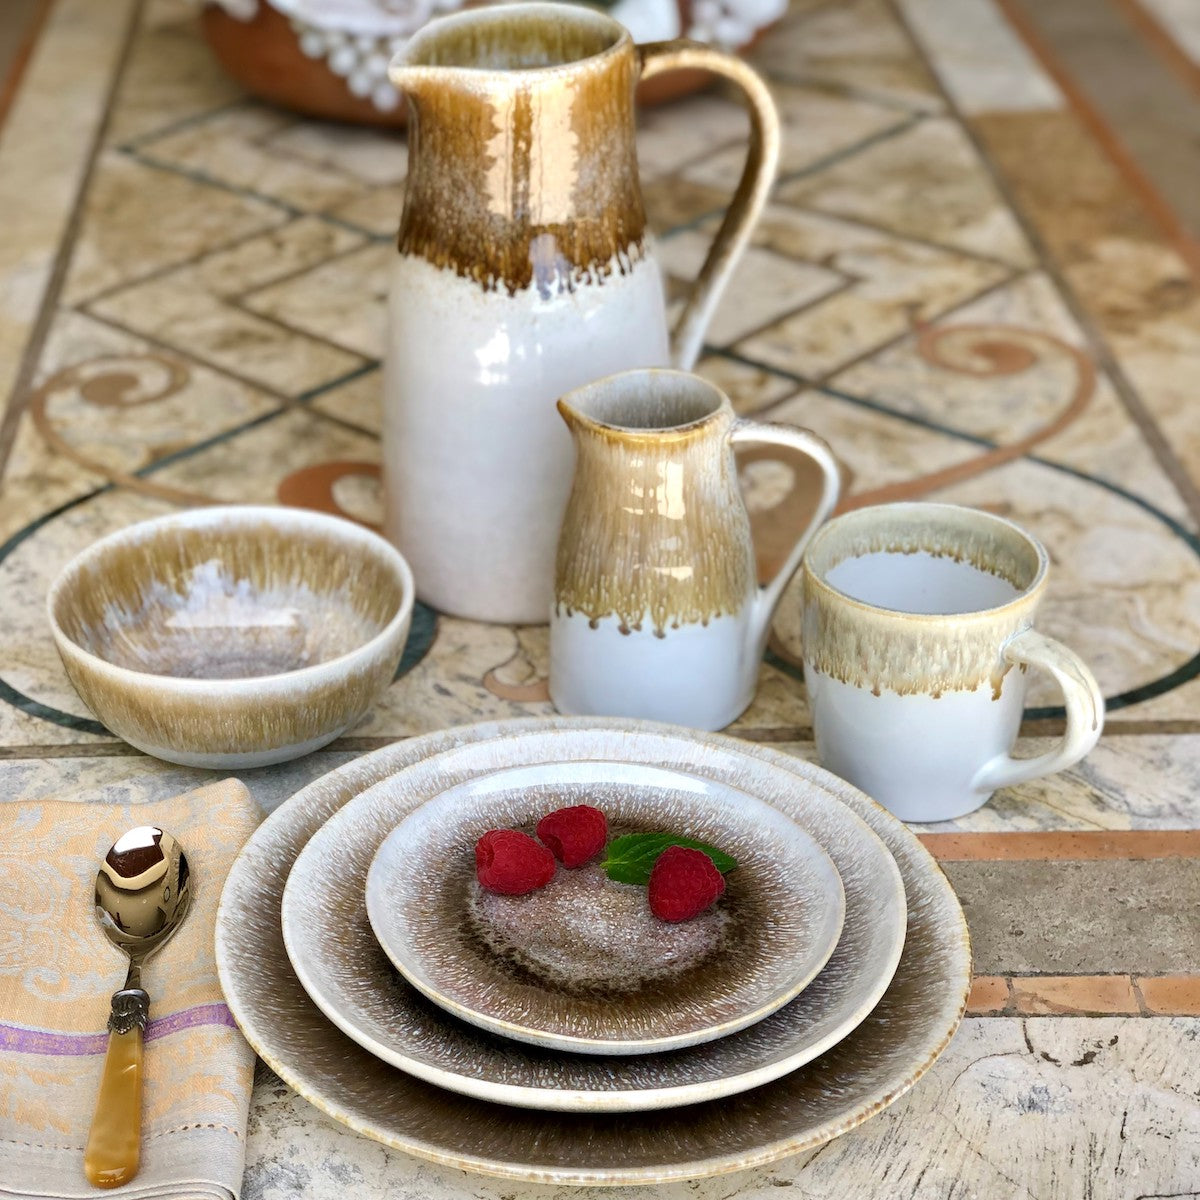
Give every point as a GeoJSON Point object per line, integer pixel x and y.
{"type": "Point", "coordinates": [523, 271]}
{"type": "Point", "coordinates": [657, 611]}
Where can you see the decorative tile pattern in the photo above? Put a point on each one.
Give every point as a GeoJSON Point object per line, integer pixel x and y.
{"type": "Point", "coordinates": [958, 283]}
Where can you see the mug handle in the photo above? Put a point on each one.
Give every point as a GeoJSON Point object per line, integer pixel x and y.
{"type": "Point", "coordinates": [758, 175]}
{"type": "Point", "coordinates": [763, 433]}
{"type": "Point", "coordinates": [1085, 712]}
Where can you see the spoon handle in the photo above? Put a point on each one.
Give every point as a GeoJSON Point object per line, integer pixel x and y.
{"type": "Point", "coordinates": [114, 1140]}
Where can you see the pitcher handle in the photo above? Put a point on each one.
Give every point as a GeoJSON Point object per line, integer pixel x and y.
{"type": "Point", "coordinates": [769, 595]}
{"type": "Point", "coordinates": [747, 204]}
{"type": "Point", "coordinates": [1085, 712]}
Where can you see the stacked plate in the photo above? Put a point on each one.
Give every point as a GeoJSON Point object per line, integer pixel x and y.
{"type": "Point", "coordinates": [557, 1037]}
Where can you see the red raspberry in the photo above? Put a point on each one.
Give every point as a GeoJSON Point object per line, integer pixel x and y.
{"type": "Point", "coordinates": [512, 863]}
{"type": "Point", "coordinates": [683, 883]}
{"type": "Point", "coordinates": [574, 834]}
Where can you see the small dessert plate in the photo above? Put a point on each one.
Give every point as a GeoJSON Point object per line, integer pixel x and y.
{"type": "Point", "coordinates": [582, 964]}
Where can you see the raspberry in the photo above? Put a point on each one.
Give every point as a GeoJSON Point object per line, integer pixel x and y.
{"type": "Point", "coordinates": [574, 834]}
{"type": "Point", "coordinates": [683, 883]}
{"type": "Point", "coordinates": [512, 863]}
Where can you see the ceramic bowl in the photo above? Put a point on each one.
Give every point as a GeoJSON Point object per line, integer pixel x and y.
{"type": "Point", "coordinates": [232, 636]}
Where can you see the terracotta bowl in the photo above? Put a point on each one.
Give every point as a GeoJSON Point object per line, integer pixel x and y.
{"type": "Point", "coordinates": [264, 56]}
{"type": "Point", "coordinates": [232, 636]}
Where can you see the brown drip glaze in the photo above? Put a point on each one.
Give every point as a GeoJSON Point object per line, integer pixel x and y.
{"type": "Point", "coordinates": [655, 528]}
{"type": "Point", "coordinates": [918, 653]}
{"type": "Point", "coordinates": [524, 167]}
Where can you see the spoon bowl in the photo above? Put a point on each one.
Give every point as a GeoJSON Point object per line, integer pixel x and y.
{"type": "Point", "coordinates": [143, 891]}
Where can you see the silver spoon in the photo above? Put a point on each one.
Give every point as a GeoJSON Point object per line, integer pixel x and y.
{"type": "Point", "coordinates": [142, 896]}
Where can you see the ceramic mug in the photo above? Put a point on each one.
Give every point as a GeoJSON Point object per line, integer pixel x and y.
{"type": "Point", "coordinates": [658, 613]}
{"type": "Point", "coordinates": [918, 634]}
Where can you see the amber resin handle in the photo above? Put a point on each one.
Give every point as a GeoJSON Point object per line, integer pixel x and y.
{"type": "Point", "coordinates": [747, 204]}
{"type": "Point", "coordinates": [114, 1140]}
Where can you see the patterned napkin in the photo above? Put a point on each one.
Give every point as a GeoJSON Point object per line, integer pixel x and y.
{"type": "Point", "coordinates": [57, 974]}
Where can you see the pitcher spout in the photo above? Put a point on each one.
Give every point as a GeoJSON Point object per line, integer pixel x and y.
{"type": "Point", "coordinates": [497, 47]}
{"type": "Point", "coordinates": [652, 404]}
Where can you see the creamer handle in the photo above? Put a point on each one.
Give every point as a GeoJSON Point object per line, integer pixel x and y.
{"type": "Point", "coordinates": [807, 443]}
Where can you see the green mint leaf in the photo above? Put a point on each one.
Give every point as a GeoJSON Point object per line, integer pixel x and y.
{"type": "Point", "coordinates": [631, 858]}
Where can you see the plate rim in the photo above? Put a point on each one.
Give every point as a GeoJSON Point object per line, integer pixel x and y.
{"type": "Point", "coordinates": [357, 774]}
{"type": "Point", "coordinates": [826, 940]}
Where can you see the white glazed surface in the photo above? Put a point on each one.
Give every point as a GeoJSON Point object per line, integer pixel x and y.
{"type": "Point", "coordinates": [478, 462]}
{"type": "Point", "coordinates": [882, 743]}
{"type": "Point", "coordinates": [918, 755]}
{"type": "Point", "coordinates": [697, 675]}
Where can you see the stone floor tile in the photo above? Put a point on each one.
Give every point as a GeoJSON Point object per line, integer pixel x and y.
{"type": "Point", "coordinates": [926, 181]}
{"type": "Point", "coordinates": [665, 144]}
{"type": "Point", "coordinates": [359, 401]}
{"type": "Point", "coordinates": [342, 301]}
{"type": "Point", "coordinates": [988, 996]}
{"type": "Point", "coordinates": [231, 148]}
{"type": "Point", "coordinates": [857, 46]}
{"type": "Point", "coordinates": [1066, 845]}
{"type": "Point", "coordinates": [171, 77]}
{"type": "Point", "coordinates": [764, 287]}
{"type": "Point", "coordinates": [818, 125]}
{"type": "Point", "coordinates": [750, 389]}
{"type": "Point", "coordinates": [286, 250]}
{"type": "Point", "coordinates": [180, 310]}
{"type": "Point", "coordinates": [139, 220]}
{"type": "Point", "coordinates": [1067, 918]}
{"type": "Point", "coordinates": [377, 157]}
{"type": "Point", "coordinates": [672, 201]}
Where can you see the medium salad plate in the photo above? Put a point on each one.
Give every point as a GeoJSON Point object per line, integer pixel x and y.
{"type": "Point", "coordinates": [356, 987]}
{"type": "Point", "coordinates": [582, 964]}
{"type": "Point", "coordinates": [854, 1077]}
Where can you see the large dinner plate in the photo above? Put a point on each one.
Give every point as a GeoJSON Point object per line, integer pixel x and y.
{"type": "Point", "coordinates": [354, 985]}
{"type": "Point", "coordinates": [582, 964]}
{"type": "Point", "coordinates": [876, 1063]}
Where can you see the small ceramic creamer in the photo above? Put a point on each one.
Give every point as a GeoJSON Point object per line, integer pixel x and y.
{"type": "Point", "coordinates": [918, 632]}
{"type": "Point", "coordinates": [657, 612]}
{"type": "Point", "coordinates": [524, 270]}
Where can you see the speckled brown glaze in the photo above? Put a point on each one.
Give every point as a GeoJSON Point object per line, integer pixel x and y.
{"type": "Point", "coordinates": [354, 983]}
{"type": "Point", "coordinates": [590, 969]}
{"type": "Point", "coordinates": [521, 140]}
{"type": "Point", "coordinates": [862, 1074]}
{"type": "Point", "coordinates": [655, 528]}
{"type": "Point", "coordinates": [232, 636]}
{"type": "Point", "coordinates": [917, 653]}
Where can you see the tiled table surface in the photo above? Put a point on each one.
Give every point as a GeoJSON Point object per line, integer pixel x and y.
{"type": "Point", "coordinates": [954, 262]}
